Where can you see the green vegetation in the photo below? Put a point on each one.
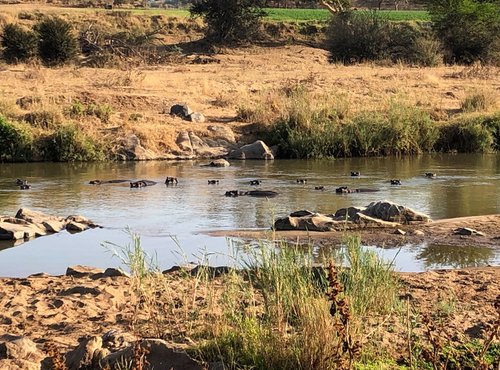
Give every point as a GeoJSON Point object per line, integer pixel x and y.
{"type": "Point", "coordinates": [68, 144]}
{"type": "Point", "coordinates": [279, 307]}
{"type": "Point", "coordinates": [19, 45]}
{"type": "Point", "coordinates": [308, 15]}
{"type": "Point", "coordinates": [57, 44]}
{"type": "Point", "coordinates": [469, 29]}
{"type": "Point", "coordinates": [15, 142]}
{"type": "Point", "coordinates": [305, 125]}
{"type": "Point", "coordinates": [229, 21]}
{"type": "Point", "coordinates": [362, 36]}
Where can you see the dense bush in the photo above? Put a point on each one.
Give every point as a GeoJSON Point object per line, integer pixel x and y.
{"type": "Point", "coordinates": [361, 36]}
{"type": "Point", "coordinates": [68, 144]}
{"type": "Point", "coordinates": [229, 21]}
{"type": "Point", "coordinates": [19, 45]}
{"type": "Point", "coordinates": [15, 143]}
{"type": "Point", "coordinates": [473, 134]}
{"type": "Point", "coordinates": [469, 29]}
{"type": "Point", "coordinates": [57, 44]}
{"type": "Point", "coordinates": [355, 37]}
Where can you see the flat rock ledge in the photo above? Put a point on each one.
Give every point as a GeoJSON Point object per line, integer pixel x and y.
{"type": "Point", "coordinates": [376, 215]}
{"type": "Point", "coordinates": [28, 224]}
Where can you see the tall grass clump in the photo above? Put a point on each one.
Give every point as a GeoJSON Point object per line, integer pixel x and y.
{"type": "Point", "coordinates": [471, 134]}
{"type": "Point", "coordinates": [312, 127]}
{"type": "Point", "coordinates": [15, 142]}
{"type": "Point", "coordinates": [477, 101]}
{"type": "Point", "coordinates": [302, 316]}
{"type": "Point", "coordinates": [69, 144]}
{"type": "Point", "coordinates": [19, 45]}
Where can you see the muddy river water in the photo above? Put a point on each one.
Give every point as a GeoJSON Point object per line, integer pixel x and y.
{"type": "Point", "coordinates": [172, 220]}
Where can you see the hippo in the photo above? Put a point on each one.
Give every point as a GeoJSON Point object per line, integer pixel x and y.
{"type": "Point", "coordinates": [171, 181]}
{"type": "Point", "coordinates": [395, 182]}
{"type": "Point", "coordinates": [100, 182]}
{"type": "Point", "coordinates": [430, 175]}
{"type": "Point", "coordinates": [301, 181]}
{"type": "Point", "coordinates": [213, 182]}
{"type": "Point", "coordinates": [255, 182]}
{"type": "Point", "coordinates": [142, 183]}
{"type": "Point", "coordinates": [25, 186]}
{"type": "Point", "coordinates": [20, 182]}
{"type": "Point", "coordinates": [252, 193]}
{"type": "Point", "coordinates": [355, 173]}
{"type": "Point", "coordinates": [346, 190]}
{"type": "Point", "coordinates": [319, 188]}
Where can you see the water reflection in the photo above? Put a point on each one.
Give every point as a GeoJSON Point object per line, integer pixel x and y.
{"type": "Point", "coordinates": [437, 256]}
{"type": "Point", "coordinates": [466, 185]}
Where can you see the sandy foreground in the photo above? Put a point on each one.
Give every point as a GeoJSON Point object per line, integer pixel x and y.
{"type": "Point", "coordinates": [66, 309]}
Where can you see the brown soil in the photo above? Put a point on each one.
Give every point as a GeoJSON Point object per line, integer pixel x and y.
{"type": "Point", "coordinates": [63, 309]}
{"type": "Point", "coordinates": [436, 232]}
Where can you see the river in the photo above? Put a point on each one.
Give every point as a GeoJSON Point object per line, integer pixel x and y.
{"type": "Point", "coordinates": [172, 220]}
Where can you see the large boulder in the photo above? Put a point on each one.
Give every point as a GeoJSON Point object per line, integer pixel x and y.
{"type": "Point", "coordinates": [392, 212]}
{"type": "Point", "coordinates": [29, 224]}
{"type": "Point", "coordinates": [85, 355]}
{"type": "Point", "coordinates": [256, 150]}
{"type": "Point", "coordinates": [314, 222]}
{"type": "Point", "coordinates": [17, 352]}
{"type": "Point", "coordinates": [131, 149]}
{"type": "Point", "coordinates": [181, 110]}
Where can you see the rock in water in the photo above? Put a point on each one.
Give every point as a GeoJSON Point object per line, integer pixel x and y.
{"type": "Point", "coordinates": [256, 150]}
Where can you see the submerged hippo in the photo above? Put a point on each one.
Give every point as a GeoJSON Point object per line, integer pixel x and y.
{"type": "Point", "coordinates": [25, 186]}
{"type": "Point", "coordinates": [252, 193]}
{"type": "Point", "coordinates": [213, 182]}
{"type": "Point", "coordinates": [142, 183]}
{"type": "Point", "coordinates": [171, 181]}
{"type": "Point", "coordinates": [430, 175]}
{"type": "Point", "coordinates": [395, 182]}
{"type": "Point", "coordinates": [20, 182]}
{"type": "Point", "coordinates": [346, 190]}
{"type": "Point", "coordinates": [301, 181]}
{"type": "Point", "coordinates": [319, 188]}
{"type": "Point", "coordinates": [100, 182]}
{"type": "Point", "coordinates": [255, 182]}
{"type": "Point", "coordinates": [355, 173]}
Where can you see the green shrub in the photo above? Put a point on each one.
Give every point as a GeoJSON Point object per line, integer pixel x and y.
{"type": "Point", "coordinates": [229, 21]}
{"type": "Point", "coordinates": [57, 44]}
{"type": "Point", "coordinates": [46, 119]}
{"type": "Point", "coordinates": [469, 29]}
{"type": "Point", "coordinates": [68, 144]}
{"type": "Point", "coordinates": [19, 45]}
{"type": "Point", "coordinates": [15, 142]}
{"type": "Point", "coordinates": [355, 37]}
{"type": "Point", "coordinates": [470, 135]}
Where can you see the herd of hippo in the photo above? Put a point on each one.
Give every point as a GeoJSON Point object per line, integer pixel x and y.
{"type": "Point", "coordinates": [23, 185]}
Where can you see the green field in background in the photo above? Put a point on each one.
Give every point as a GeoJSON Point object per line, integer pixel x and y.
{"type": "Point", "coordinates": [295, 15]}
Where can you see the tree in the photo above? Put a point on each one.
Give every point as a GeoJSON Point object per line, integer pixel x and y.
{"type": "Point", "coordinates": [229, 21]}
{"type": "Point", "coordinates": [469, 29]}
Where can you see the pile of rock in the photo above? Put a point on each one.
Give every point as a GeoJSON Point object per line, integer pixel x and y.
{"type": "Point", "coordinates": [28, 224]}
{"type": "Point", "coordinates": [376, 214]}
{"type": "Point", "coordinates": [186, 113]}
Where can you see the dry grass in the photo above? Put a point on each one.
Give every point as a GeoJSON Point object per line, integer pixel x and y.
{"type": "Point", "coordinates": [249, 78]}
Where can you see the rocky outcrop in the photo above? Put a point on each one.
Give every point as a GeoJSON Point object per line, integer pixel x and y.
{"type": "Point", "coordinates": [256, 150]}
{"type": "Point", "coordinates": [131, 149]}
{"type": "Point", "coordinates": [28, 224]}
{"type": "Point", "coordinates": [192, 146]}
{"type": "Point", "coordinates": [376, 214]}
{"type": "Point", "coordinates": [18, 352]}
